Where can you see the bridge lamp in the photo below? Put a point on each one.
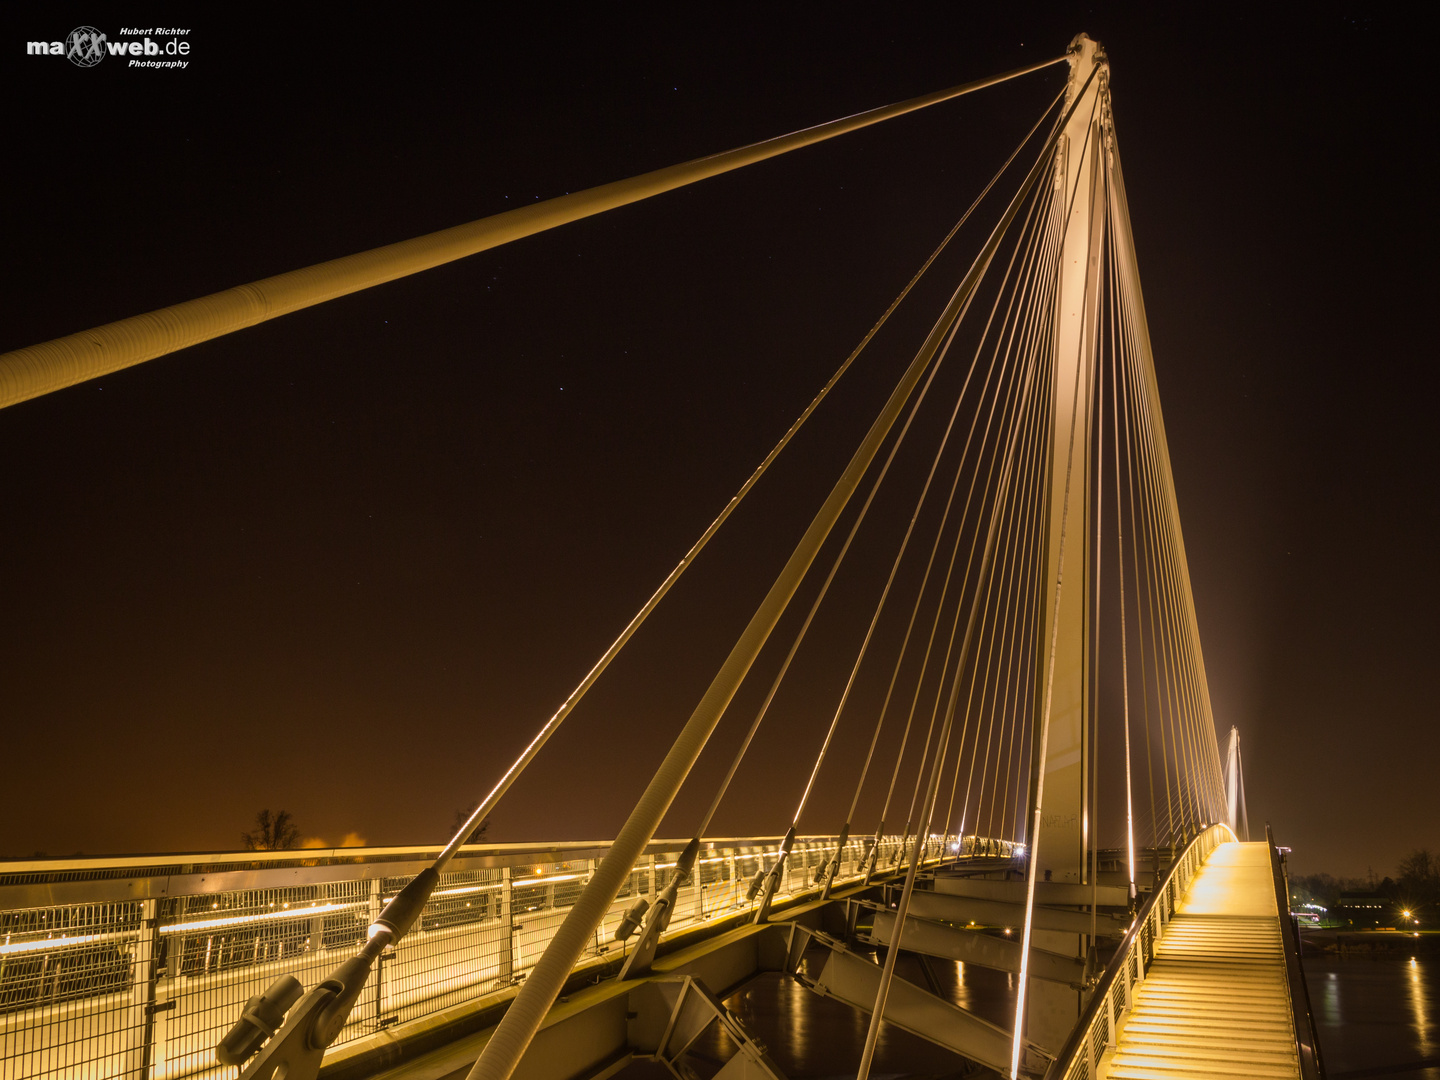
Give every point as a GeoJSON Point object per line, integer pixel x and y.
{"type": "Point", "coordinates": [632, 920]}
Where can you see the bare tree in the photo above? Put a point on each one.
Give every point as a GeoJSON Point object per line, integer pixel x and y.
{"type": "Point", "coordinates": [478, 833]}
{"type": "Point", "coordinates": [1420, 874]}
{"type": "Point", "coordinates": [272, 832]}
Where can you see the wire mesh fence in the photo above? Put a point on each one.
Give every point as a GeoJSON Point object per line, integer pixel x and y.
{"type": "Point", "coordinates": [143, 989]}
{"type": "Point", "coordinates": [67, 990]}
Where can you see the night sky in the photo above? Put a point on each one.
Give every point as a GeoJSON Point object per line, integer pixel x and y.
{"type": "Point", "coordinates": [348, 561]}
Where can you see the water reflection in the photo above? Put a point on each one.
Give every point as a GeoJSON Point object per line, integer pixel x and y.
{"type": "Point", "coordinates": [1420, 1007]}
{"type": "Point", "coordinates": [813, 1036]}
{"type": "Point", "coordinates": [1377, 1015]}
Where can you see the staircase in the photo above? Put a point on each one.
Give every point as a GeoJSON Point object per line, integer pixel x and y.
{"type": "Point", "coordinates": [1214, 1002]}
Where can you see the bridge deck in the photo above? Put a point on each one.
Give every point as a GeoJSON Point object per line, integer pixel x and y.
{"type": "Point", "coordinates": [1214, 1002]}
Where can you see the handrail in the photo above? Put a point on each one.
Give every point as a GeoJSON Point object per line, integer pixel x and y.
{"type": "Point", "coordinates": [172, 862]}
{"type": "Point", "coordinates": [1307, 1039]}
{"type": "Point", "coordinates": [1113, 994]}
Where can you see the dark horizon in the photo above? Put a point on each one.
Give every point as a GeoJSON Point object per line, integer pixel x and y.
{"type": "Point", "coordinates": [346, 562]}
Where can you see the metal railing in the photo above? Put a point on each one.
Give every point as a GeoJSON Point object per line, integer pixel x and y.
{"type": "Point", "coordinates": [1302, 1018]}
{"type": "Point", "coordinates": [135, 967]}
{"type": "Point", "coordinates": [1095, 1031]}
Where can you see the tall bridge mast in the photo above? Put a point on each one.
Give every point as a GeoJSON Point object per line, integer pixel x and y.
{"type": "Point", "coordinates": [1063, 642]}
{"type": "Point", "coordinates": [1059, 826]}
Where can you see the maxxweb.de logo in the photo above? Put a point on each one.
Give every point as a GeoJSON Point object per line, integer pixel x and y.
{"type": "Point", "coordinates": [86, 46]}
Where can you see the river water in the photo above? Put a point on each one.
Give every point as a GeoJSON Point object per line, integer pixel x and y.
{"type": "Point", "coordinates": [818, 1038]}
{"type": "Point", "coordinates": [1377, 1017]}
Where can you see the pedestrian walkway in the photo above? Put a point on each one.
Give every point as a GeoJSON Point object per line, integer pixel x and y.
{"type": "Point", "coordinates": [1214, 1003]}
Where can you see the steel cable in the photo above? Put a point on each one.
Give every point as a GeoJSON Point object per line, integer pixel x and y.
{"type": "Point", "coordinates": [1024, 321]}
{"type": "Point", "coordinates": [1036, 250]}
{"type": "Point", "coordinates": [745, 744]}
{"type": "Point", "coordinates": [960, 530]}
{"type": "Point", "coordinates": [40, 369]}
{"type": "Point", "coordinates": [520, 1022]}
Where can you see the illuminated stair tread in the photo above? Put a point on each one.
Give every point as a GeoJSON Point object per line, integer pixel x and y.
{"type": "Point", "coordinates": [1214, 1003]}
{"type": "Point", "coordinates": [1177, 1043]}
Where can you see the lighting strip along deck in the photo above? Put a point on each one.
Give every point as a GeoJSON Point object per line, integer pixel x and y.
{"type": "Point", "coordinates": [1214, 1002]}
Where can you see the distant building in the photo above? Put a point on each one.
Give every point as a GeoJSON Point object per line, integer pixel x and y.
{"type": "Point", "coordinates": [1365, 910]}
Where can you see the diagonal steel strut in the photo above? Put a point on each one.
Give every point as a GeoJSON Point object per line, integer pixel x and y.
{"type": "Point", "coordinates": [53, 365]}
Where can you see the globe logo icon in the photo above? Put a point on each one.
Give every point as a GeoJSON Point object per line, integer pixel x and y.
{"type": "Point", "coordinates": [85, 47]}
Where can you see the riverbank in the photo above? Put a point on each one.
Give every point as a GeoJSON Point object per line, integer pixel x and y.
{"type": "Point", "coordinates": [1372, 944]}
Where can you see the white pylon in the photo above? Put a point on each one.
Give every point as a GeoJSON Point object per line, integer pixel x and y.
{"type": "Point", "coordinates": [1235, 788]}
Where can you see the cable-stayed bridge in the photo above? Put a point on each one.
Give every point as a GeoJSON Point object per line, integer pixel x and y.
{"type": "Point", "coordinates": [1070, 821]}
